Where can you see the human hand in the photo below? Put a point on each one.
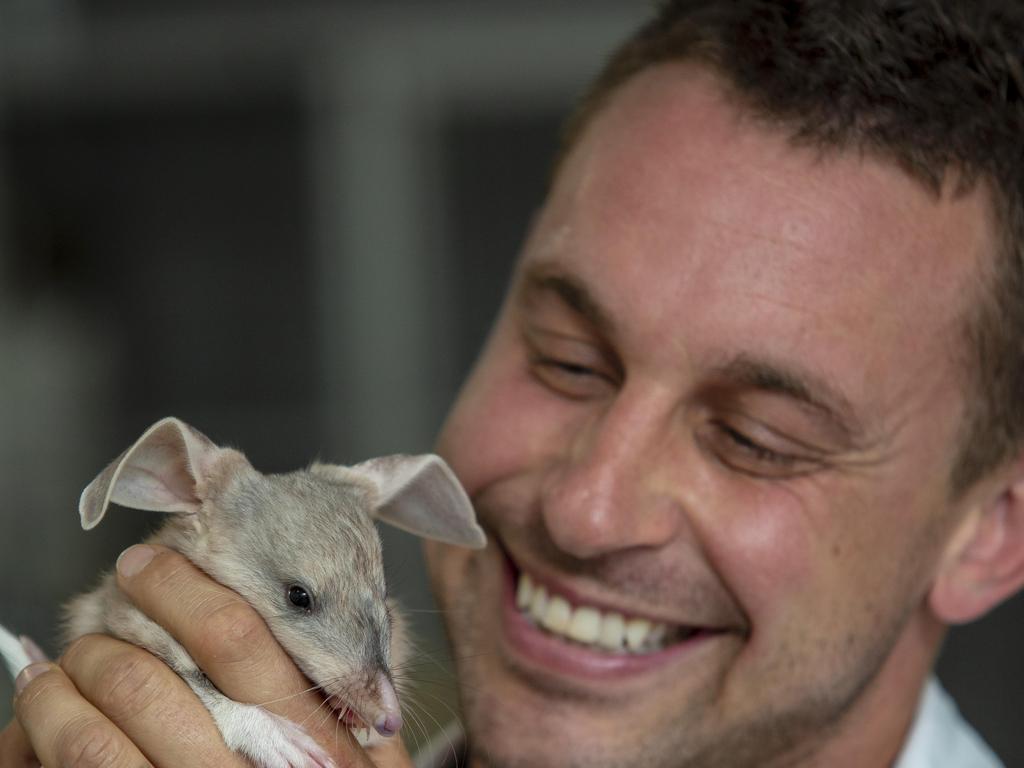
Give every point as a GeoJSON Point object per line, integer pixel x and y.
{"type": "Point", "coordinates": [110, 703]}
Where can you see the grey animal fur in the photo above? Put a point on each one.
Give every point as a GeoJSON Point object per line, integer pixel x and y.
{"type": "Point", "coordinates": [259, 534]}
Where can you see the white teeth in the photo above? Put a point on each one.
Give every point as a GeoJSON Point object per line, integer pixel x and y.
{"type": "Point", "coordinates": [525, 591]}
{"type": "Point", "coordinates": [585, 624]}
{"type": "Point", "coordinates": [636, 632]}
{"type": "Point", "coordinates": [612, 631]}
{"type": "Point", "coordinates": [558, 615]}
{"type": "Point", "coordinates": [539, 603]}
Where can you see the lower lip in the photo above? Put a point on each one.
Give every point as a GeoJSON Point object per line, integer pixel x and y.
{"type": "Point", "coordinates": [543, 650]}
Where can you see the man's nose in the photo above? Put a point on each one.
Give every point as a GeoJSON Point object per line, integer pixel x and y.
{"type": "Point", "coordinates": [612, 489]}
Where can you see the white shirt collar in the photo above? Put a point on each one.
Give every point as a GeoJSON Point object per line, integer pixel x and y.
{"type": "Point", "coordinates": [941, 737]}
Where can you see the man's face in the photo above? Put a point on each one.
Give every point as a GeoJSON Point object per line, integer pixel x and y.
{"type": "Point", "coordinates": [715, 420]}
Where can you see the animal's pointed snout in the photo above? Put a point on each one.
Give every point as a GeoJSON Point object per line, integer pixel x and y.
{"type": "Point", "coordinates": [389, 720]}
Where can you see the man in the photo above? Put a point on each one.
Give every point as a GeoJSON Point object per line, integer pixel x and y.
{"type": "Point", "coordinates": [746, 437]}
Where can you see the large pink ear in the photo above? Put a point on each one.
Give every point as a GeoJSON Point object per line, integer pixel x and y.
{"type": "Point", "coordinates": [158, 473]}
{"type": "Point", "coordinates": [419, 494]}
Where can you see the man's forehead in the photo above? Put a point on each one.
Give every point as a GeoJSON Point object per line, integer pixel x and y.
{"type": "Point", "coordinates": [672, 139]}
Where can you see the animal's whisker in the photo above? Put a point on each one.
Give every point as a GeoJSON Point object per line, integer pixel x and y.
{"type": "Point", "coordinates": [289, 696]}
{"type": "Point", "coordinates": [323, 703]}
{"type": "Point", "coordinates": [414, 725]}
{"type": "Point", "coordinates": [425, 610]}
{"type": "Point", "coordinates": [440, 728]}
{"type": "Point", "coordinates": [443, 703]}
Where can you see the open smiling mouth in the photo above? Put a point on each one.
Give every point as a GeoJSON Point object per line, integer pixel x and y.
{"type": "Point", "coordinates": [589, 626]}
{"type": "Point", "coordinates": [553, 629]}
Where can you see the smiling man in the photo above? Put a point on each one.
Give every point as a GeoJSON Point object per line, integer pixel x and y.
{"type": "Point", "coordinates": [746, 436]}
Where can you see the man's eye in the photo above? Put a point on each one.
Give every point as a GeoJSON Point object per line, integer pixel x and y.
{"type": "Point", "coordinates": [759, 452]}
{"type": "Point", "coordinates": [740, 452]}
{"type": "Point", "coordinates": [567, 367]}
{"type": "Point", "coordinates": [569, 378]}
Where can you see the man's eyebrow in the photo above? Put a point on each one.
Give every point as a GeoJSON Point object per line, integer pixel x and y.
{"type": "Point", "coordinates": [803, 386]}
{"type": "Point", "coordinates": [540, 278]}
{"type": "Point", "coordinates": [744, 370]}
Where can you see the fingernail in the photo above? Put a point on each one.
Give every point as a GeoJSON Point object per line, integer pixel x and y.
{"type": "Point", "coordinates": [34, 651]}
{"type": "Point", "coordinates": [134, 559]}
{"type": "Point", "coordinates": [28, 674]}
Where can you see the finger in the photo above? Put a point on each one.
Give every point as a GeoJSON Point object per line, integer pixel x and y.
{"type": "Point", "coordinates": [147, 701]}
{"type": "Point", "coordinates": [224, 635]}
{"type": "Point", "coordinates": [65, 729]}
{"type": "Point", "coordinates": [390, 754]}
{"type": "Point", "coordinates": [15, 748]}
{"type": "Point", "coordinates": [230, 642]}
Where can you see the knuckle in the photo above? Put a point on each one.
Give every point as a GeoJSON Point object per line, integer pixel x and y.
{"type": "Point", "coordinates": [80, 650]}
{"type": "Point", "coordinates": [128, 682]}
{"type": "Point", "coordinates": [89, 743]}
{"type": "Point", "coordinates": [233, 631]}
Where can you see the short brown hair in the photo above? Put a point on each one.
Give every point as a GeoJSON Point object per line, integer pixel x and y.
{"type": "Point", "coordinates": [936, 86]}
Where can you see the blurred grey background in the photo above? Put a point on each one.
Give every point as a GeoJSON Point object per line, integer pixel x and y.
{"type": "Point", "coordinates": [288, 224]}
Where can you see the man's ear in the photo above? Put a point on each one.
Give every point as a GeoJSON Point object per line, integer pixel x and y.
{"type": "Point", "coordinates": [984, 564]}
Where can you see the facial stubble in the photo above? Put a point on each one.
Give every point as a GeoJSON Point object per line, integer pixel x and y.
{"type": "Point", "coordinates": [776, 735]}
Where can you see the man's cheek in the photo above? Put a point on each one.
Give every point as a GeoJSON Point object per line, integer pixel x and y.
{"type": "Point", "coordinates": [501, 429]}
{"type": "Point", "coordinates": [768, 554]}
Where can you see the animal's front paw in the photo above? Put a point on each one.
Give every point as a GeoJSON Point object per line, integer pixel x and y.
{"type": "Point", "coordinates": [270, 741]}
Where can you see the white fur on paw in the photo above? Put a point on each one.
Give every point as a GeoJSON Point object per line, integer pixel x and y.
{"type": "Point", "coordinates": [269, 741]}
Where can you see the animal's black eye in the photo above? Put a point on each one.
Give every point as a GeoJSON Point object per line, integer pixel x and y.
{"type": "Point", "coordinates": [299, 597]}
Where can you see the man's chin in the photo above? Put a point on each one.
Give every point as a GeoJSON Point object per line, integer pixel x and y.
{"type": "Point", "coordinates": [530, 695]}
{"type": "Point", "coordinates": [513, 730]}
